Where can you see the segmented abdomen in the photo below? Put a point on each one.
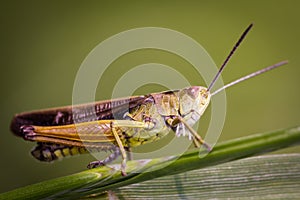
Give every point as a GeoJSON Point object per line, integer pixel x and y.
{"type": "Point", "coordinates": [49, 152]}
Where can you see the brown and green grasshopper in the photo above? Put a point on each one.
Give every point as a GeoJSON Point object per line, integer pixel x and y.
{"type": "Point", "coordinates": [119, 124]}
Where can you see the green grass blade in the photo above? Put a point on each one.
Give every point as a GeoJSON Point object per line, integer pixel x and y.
{"type": "Point", "coordinates": [261, 177]}
{"type": "Point", "coordinates": [102, 179]}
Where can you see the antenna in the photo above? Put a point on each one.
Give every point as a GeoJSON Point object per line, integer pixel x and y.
{"type": "Point", "coordinates": [229, 56]}
{"type": "Point", "coordinates": [250, 76]}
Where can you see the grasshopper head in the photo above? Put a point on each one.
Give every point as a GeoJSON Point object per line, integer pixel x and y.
{"type": "Point", "coordinates": [194, 99]}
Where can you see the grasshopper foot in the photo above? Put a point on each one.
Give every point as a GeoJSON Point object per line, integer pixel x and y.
{"type": "Point", "coordinates": [95, 164]}
{"type": "Point", "coordinates": [100, 163]}
{"type": "Point", "coordinates": [123, 173]}
{"type": "Point", "coordinates": [207, 146]}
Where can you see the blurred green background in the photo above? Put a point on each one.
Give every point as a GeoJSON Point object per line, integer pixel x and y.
{"type": "Point", "coordinates": [43, 44]}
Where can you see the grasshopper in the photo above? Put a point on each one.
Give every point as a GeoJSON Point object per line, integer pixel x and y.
{"type": "Point", "coordinates": [120, 124]}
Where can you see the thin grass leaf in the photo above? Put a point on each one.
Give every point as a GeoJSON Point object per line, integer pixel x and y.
{"type": "Point", "coordinates": [102, 179]}
{"type": "Point", "coordinates": [261, 177]}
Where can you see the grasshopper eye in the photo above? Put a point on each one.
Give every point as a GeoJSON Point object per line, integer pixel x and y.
{"type": "Point", "coordinates": [193, 91]}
